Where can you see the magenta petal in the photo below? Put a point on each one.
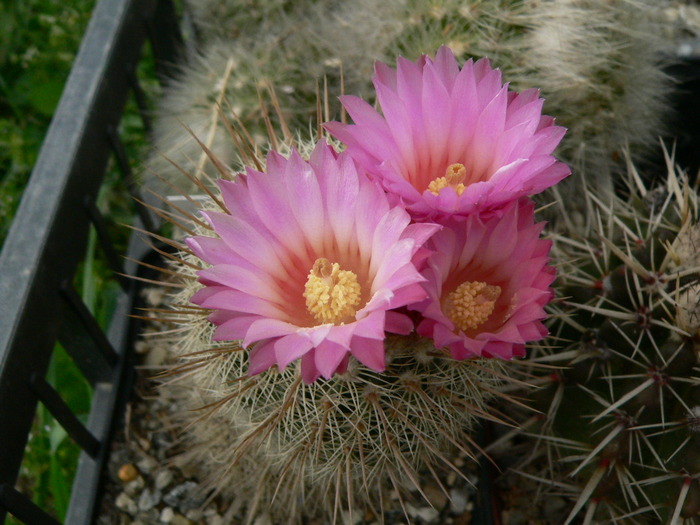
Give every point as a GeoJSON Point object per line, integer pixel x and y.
{"type": "Point", "coordinates": [232, 329]}
{"type": "Point", "coordinates": [291, 348]}
{"type": "Point", "coordinates": [398, 120]}
{"type": "Point", "coordinates": [369, 352]}
{"type": "Point", "coordinates": [309, 372]}
{"type": "Point", "coordinates": [262, 357]}
{"type": "Point", "coordinates": [328, 357]}
{"type": "Point", "coordinates": [420, 233]}
{"type": "Point", "coordinates": [341, 197]}
{"type": "Point", "coordinates": [343, 366]}
{"type": "Point", "coordinates": [373, 325]}
{"type": "Point", "coordinates": [342, 335]}
{"type": "Point", "coordinates": [407, 296]}
{"type": "Point", "coordinates": [318, 334]}
{"type": "Point", "coordinates": [271, 203]}
{"type": "Point", "coordinates": [215, 249]}
{"type": "Point", "coordinates": [228, 299]}
{"type": "Point", "coordinates": [446, 65]}
{"type": "Point", "coordinates": [397, 323]}
{"type": "Point", "coordinates": [267, 329]}
{"type": "Point", "coordinates": [385, 75]}
{"type": "Point", "coordinates": [241, 279]}
{"type": "Point", "coordinates": [304, 190]}
{"type": "Point", "coordinates": [235, 232]}
{"type": "Point", "coordinates": [205, 293]}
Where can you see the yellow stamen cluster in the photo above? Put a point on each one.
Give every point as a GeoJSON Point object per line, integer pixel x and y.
{"type": "Point", "coordinates": [471, 304]}
{"type": "Point", "coordinates": [454, 177]}
{"type": "Point", "coordinates": [332, 295]}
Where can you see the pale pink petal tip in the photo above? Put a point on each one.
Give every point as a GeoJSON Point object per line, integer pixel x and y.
{"type": "Point", "coordinates": [451, 140]}
{"type": "Point", "coordinates": [488, 282]}
{"type": "Point", "coordinates": [309, 264]}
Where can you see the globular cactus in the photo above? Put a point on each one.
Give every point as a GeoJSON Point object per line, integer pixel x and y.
{"type": "Point", "coordinates": [598, 65]}
{"type": "Point", "coordinates": [330, 448]}
{"type": "Point", "coordinates": [619, 434]}
{"type": "Point", "coordinates": [267, 76]}
{"type": "Point", "coordinates": [242, 19]}
{"type": "Point", "coordinates": [300, 450]}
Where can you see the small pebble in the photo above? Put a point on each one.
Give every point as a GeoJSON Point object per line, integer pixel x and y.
{"type": "Point", "coordinates": [436, 496]}
{"type": "Point", "coordinates": [128, 473]}
{"type": "Point", "coordinates": [179, 519]}
{"type": "Point", "coordinates": [216, 519]}
{"type": "Point", "coordinates": [459, 501]}
{"type": "Point", "coordinates": [356, 516]}
{"type": "Point", "coordinates": [451, 478]}
{"type": "Point", "coordinates": [147, 464]}
{"type": "Point", "coordinates": [463, 519]}
{"type": "Point", "coordinates": [149, 499]}
{"type": "Point", "coordinates": [150, 516]}
{"type": "Point", "coordinates": [134, 487]}
{"type": "Point", "coordinates": [125, 503]}
{"type": "Point", "coordinates": [167, 515]}
{"type": "Point", "coordinates": [163, 479]}
{"type": "Point", "coordinates": [194, 514]}
{"type": "Point", "coordinates": [428, 514]}
{"type": "Point", "coordinates": [554, 506]}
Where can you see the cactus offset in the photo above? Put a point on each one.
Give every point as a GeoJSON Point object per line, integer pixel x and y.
{"type": "Point", "coordinates": [620, 436]}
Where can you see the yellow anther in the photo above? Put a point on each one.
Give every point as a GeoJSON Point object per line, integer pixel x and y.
{"type": "Point", "coordinates": [455, 174]}
{"type": "Point", "coordinates": [471, 304]}
{"type": "Point", "coordinates": [332, 295]}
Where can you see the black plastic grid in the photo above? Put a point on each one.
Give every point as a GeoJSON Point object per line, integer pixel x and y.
{"type": "Point", "coordinates": [47, 241]}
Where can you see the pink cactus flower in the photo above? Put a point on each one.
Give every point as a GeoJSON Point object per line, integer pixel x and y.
{"type": "Point", "coordinates": [488, 282]}
{"type": "Point", "coordinates": [308, 264]}
{"type": "Point", "coordinates": [452, 141]}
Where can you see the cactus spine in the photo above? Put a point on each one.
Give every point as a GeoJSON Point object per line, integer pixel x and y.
{"type": "Point", "coordinates": [620, 433]}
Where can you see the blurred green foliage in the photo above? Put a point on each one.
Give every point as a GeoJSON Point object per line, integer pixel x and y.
{"type": "Point", "coordinates": [38, 41]}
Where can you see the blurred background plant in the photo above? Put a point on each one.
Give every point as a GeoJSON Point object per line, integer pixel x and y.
{"type": "Point", "coordinates": [38, 42]}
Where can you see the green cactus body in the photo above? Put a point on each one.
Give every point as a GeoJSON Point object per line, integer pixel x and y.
{"type": "Point", "coordinates": [621, 438]}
